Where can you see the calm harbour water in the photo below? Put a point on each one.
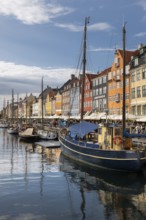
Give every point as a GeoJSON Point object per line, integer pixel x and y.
{"type": "Point", "coordinates": [40, 183]}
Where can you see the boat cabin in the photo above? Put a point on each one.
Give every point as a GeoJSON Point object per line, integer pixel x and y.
{"type": "Point", "coordinates": [111, 137]}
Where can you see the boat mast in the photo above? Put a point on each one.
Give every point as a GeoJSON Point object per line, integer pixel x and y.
{"type": "Point", "coordinates": [26, 108]}
{"type": "Point", "coordinates": [124, 63]}
{"type": "Point", "coordinates": [84, 68]}
{"type": "Point", "coordinates": [42, 103]}
{"type": "Point", "coordinates": [12, 106]}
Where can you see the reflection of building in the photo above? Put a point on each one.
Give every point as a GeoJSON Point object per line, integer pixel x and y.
{"type": "Point", "coordinates": [139, 202]}
{"type": "Point", "coordinates": [52, 154]}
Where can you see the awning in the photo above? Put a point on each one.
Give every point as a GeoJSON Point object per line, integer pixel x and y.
{"type": "Point", "coordinates": [82, 128]}
{"type": "Point", "coordinates": [95, 116]}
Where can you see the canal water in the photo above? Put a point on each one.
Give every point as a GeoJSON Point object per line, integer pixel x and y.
{"type": "Point", "coordinates": [38, 183]}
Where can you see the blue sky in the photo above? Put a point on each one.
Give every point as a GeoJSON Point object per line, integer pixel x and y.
{"type": "Point", "coordinates": [44, 38]}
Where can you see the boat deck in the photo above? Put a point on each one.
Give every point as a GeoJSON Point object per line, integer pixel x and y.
{"type": "Point", "coordinates": [139, 141]}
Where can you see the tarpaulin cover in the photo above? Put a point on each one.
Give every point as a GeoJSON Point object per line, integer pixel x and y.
{"type": "Point", "coordinates": [82, 128]}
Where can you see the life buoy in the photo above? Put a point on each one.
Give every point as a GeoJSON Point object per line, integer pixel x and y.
{"type": "Point", "coordinates": [117, 140]}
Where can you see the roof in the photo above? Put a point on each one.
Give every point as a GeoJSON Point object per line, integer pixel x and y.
{"type": "Point", "coordinates": [128, 54]}
{"type": "Point", "coordinates": [82, 128]}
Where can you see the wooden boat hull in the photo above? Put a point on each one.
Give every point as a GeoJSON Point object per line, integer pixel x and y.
{"type": "Point", "coordinates": [3, 125]}
{"type": "Point", "coordinates": [121, 160]}
{"type": "Point", "coordinates": [28, 134]}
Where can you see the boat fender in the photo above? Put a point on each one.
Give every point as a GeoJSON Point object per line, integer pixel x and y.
{"type": "Point", "coordinates": [117, 140]}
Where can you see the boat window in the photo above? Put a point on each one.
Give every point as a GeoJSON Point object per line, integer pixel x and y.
{"type": "Point", "coordinates": [99, 130]}
{"type": "Point", "coordinates": [109, 131]}
{"type": "Point", "coordinates": [118, 131]}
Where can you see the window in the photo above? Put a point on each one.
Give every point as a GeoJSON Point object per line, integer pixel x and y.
{"type": "Point", "coordinates": [104, 90]}
{"type": "Point", "coordinates": [104, 79]}
{"type": "Point", "coordinates": [127, 82]}
{"type": "Point", "coordinates": [100, 80]}
{"type": "Point", "coordinates": [136, 62]}
{"type": "Point", "coordinates": [133, 93]}
{"type": "Point", "coordinates": [144, 73]}
{"type": "Point", "coordinates": [116, 61]}
{"type": "Point", "coordinates": [133, 77]}
{"type": "Point", "coordinates": [94, 92]}
{"type": "Point", "coordinates": [144, 109]}
{"type": "Point", "coordinates": [133, 110]}
{"type": "Point", "coordinates": [99, 130]}
{"type": "Point", "coordinates": [143, 91]}
{"type": "Point", "coordinates": [93, 82]}
{"type": "Point", "coordinates": [138, 76]}
{"type": "Point", "coordinates": [109, 75]}
{"type": "Point", "coordinates": [118, 84]}
{"type": "Point", "coordinates": [96, 82]}
{"type": "Point", "coordinates": [127, 96]}
{"type": "Point", "coordinates": [138, 92]}
{"type": "Point", "coordinates": [139, 110]}
{"type": "Point", "coordinates": [100, 91]}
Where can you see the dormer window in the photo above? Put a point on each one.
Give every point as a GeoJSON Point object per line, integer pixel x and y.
{"type": "Point", "coordinates": [136, 62]}
{"type": "Point", "coordinates": [141, 51]}
{"type": "Point", "coordinates": [117, 61]}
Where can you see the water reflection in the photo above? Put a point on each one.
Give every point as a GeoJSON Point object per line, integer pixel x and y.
{"type": "Point", "coordinates": [40, 183]}
{"type": "Point", "coordinates": [122, 194]}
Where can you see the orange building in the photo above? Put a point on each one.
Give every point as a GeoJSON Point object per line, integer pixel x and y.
{"type": "Point", "coordinates": [115, 83]}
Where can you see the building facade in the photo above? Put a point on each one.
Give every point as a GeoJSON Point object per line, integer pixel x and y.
{"type": "Point", "coordinates": [100, 91]}
{"type": "Point", "coordinates": [138, 82]}
{"type": "Point", "coordinates": [115, 83]}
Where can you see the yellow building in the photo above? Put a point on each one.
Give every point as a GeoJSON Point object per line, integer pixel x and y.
{"type": "Point", "coordinates": [58, 103]}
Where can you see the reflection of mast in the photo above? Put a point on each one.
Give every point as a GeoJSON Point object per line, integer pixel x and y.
{"type": "Point", "coordinates": [12, 156]}
{"type": "Point", "coordinates": [83, 202]}
{"type": "Point", "coordinates": [42, 172]}
{"type": "Point", "coordinates": [42, 102]}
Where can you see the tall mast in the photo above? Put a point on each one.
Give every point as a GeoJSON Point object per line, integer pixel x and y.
{"type": "Point", "coordinates": [12, 110]}
{"type": "Point", "coordinates": [124, 63]}
{"type": "Point", "coordinates": [84, 68]}
{"type": "Point", "coordinates": [42, 102]}
{"type": "Point", "coordinates": [26, 108]}
{"type": "Point", "coordinates": [17, 107]}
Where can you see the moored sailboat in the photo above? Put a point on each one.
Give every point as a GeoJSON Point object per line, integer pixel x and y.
{"type": "Point", "coordinates": [45, 132]}
{"type": "Point", "coordinates": [108, 147]}
{"type": "Point", "coordinates": [13, 127]}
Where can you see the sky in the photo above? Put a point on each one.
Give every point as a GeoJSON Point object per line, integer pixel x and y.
{"type": "Point", "coordinates": [44, 38]}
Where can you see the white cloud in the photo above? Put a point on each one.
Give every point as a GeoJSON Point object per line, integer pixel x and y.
{"type": "Point", "coordinates": [28, 78]}
{"type": "Point", "coordinates": [102, 49]}
{"type": "Point", "coordinates": [141, 34]}
{"type": "Point", "coordinates": [142, 3]}
{"type": "Point", "coordinates": [103, 26]}
{"type": "Point", "coordinates": [32, 11]}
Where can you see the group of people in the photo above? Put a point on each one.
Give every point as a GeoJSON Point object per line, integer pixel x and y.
{"type": "Point", "coordinates": [139, 129]}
